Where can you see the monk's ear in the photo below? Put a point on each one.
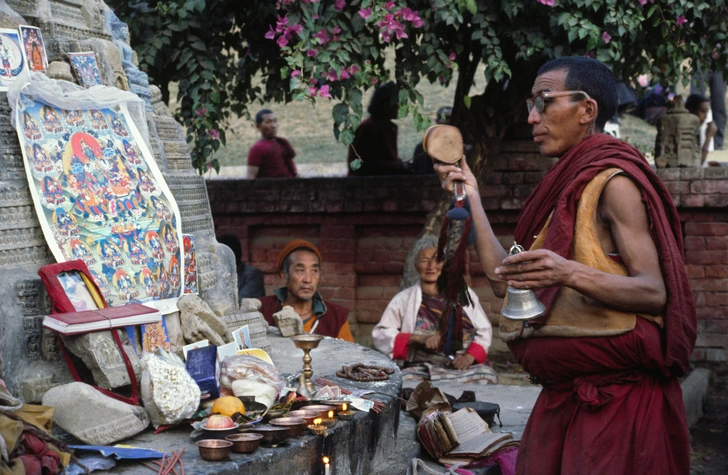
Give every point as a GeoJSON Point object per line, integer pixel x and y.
{"type": "Point", "coordinates": [590, 111]}
{"type": "Point", "coordinates": [283, 275]}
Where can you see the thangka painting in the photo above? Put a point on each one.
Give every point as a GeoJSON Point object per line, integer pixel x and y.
{"type": "Point", "coordinates": [86, 68]}
{"type": "Point", "coordinates": [11, 57]}
{"type": "Point", "coordinates": [34, 48]}
{"type": "Point", "coordinates": [100, 197]}
{"type": "Point", "coordinates": [190, 263]}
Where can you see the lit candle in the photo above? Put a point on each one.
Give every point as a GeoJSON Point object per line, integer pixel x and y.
{"type": "Point", "coordinates": [327, 467]}
{"type": "Point", "coordinates": [331, 414]}
{"type": "Point", "coordinates": [344, 407]}
{"type": "Point", "coordinates": [317, 421]}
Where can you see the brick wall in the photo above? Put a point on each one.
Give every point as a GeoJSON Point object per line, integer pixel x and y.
{"type": "Point", "coordinates": [364, 227]}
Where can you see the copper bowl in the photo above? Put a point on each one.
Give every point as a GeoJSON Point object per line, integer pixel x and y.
{"type": "Point", "coordinates": [213, 449]}
{"type": "Point", "coordinates": [244, 443]}
{"type": "Point", "coordinates": [271, 435]}
{"type": "Point", "coordinates": [308, 416]}
{"type": "Point", "coordinates": [294, 425]}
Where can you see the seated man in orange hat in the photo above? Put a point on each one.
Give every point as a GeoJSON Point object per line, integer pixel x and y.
{"type": "Point", "coordinates": [299, 264]}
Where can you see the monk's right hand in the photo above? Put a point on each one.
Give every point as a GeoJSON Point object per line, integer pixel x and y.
{"type": "Point", "coordinates": [459, 172]}
{"type": "Point", "coordinates": [432, 342]}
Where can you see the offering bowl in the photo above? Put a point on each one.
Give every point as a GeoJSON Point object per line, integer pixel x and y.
{"type": "Point", "coordinates": [308, 416]}
{"type": "Point", "coordinates": [244, 443]}
{"type": "Point", "coordinates": [213, 449]}
{"type": "Point", "coordinates": [272, 435]}
{"type": "Point", "coordinates": [294, 425]}
{"type": "Point", "coordinates": [220, 434]}
{"type": "Point", "coordinates": [321, 408]}
{"type": "Point", "coordinates": [307, 342]}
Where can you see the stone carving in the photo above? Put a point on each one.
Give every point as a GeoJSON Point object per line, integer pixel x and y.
{"type": "Point", "coordinates": [60, 70]}
{"type": "Point", "coordinates": [196, 314]}
{"type": "Point", "coordinates": [138, 80]}
{"type": "Point", "coordinates": [34, 388]}
{"type": "Point", "coordinates": [93, 417]}
{"type": "Point", "coordinates": [100, 354]}
{"type": "Point", "coordinates": [678, 138]}
{"type": "Point", "coordinates": [110, 65]}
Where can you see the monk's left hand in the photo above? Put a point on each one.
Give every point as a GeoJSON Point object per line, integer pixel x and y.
{"type": "Point", "coordinates": [535, 269]}
{"type": "Point", "coordinates": [463, 361]}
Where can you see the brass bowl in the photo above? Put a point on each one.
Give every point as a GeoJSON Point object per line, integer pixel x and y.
{"type": "Point", "coordinates": [244, 443]}
{"type": "Point", "coordinates": [294, 425]}
{"type": "Point", "coordinates": [273, 414]}
{"type": "Point", "coordinates": [307, 341]}
{"type": "Point", "coordinates": [271, 435]}
{"type": "Point", "coordinates": [209, 434]}
{"type": "Point", "coordinates": [322, 408]}
{"type": "Point", "coordinates": [213, 449]}
{"type": "Point", "coordinates": [308, 416]}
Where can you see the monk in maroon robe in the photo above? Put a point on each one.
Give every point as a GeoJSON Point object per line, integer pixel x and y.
{"type": "Point", "coordinates": [605, 256]}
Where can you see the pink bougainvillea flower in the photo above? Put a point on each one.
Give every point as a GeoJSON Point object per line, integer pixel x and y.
{"type": "Point", "coordinates": [388, 5]}
{"type": "Point", "coordinates": [201, 111]}
{"type": "Point", "coordinates": [452, 57]}
{"type": "Point", "coordinates": [214, 134]}
{"type": "Point", "coordinates": [715, 54]}
{"type": "Point", "coordinates": [353, 69]}
{"type": "Point", "coordinates": [295, 73]}
{"type": "Point", "coordinates": [339, 5]}
{"type": "Point", "coordinates": [322, 36]}
{"type": "Point", "coordinates": [344, 74]}
{"type": "Point", "coordinates": [208, 165]}
{"type": "Point", "coordinates": [311, 53]}
{"type": "Point", "coordinates": [642, 2]}
{"type": "Point", "coordinates": [643, 80]}
{"type": "Point", "coordinates": [281, 24]}
{"type": "Point", "coordinates": [681, 20]}
{"type": "Point", "coordinates": [324, 91]}
{"type": "Point", "coordinates": [312, 91]}
{"type": "Point", "coordinates": [548, 3]}
{"type": "Point", "coordinates": [374, 80]}
{"type": "Point", "coordinates": [312, 81]}
{"type": "Point", "coordinates": [294, 29]}
{"type": "Point", "coordinates": [282, 41]}
{"type": "Point", "coordinates": [606, 37]}
{"type": "Point", "coordinates": [365, 13]}
{"type": "Point", "coordinates": [331, 76]}
{"type": "Point", "coordinates": [336, 30]}
{"type": "Point", "coordinates": [270, 34]}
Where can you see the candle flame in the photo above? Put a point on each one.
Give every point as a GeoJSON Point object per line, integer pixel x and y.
{"type": "Point", "coordinates": [317, 421]}
{"type": "Point", "coordinates": [331, 414]}
{"type": "Point", "coordinates": [326, 460]}
{"type": "Point", "coordinates": [344, 407]}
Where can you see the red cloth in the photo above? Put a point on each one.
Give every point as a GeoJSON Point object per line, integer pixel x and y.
{"type": "Point", "coordinates": [330, 321]}
{"type": "Point", "coordinates": [560, 191]}
{"type": "Point", "coordinates": [605, 407]}
{"type": "Point", "coordinates": [274, 158]}
{"type": "Point", "coordinates": [36, 457]}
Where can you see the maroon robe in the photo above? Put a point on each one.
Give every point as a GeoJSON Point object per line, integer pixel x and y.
{"type": "Point", "coordinates": [609, 405]}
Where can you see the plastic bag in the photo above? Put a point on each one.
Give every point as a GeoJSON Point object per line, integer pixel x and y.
{"type": "Point", "coordinates": [239, 367]}
{"type": "Point", "coordinates": [169, 393]}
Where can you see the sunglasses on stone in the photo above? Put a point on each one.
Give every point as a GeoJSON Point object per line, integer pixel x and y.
{"type": "Point", "coordinates": [537, 101]}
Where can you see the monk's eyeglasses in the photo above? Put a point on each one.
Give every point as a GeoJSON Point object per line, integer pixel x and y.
{"type": "Point", "coordinates": [537, 101]}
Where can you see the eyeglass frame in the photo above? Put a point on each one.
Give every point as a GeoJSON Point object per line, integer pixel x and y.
{"type": "Point", "coordinates": [531, 102]}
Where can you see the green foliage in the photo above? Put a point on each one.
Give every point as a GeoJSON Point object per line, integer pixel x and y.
{"type": "Point", "coordinates": [332, 49]}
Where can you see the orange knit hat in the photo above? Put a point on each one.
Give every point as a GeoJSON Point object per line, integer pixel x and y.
{"type": "Point", "coordinates": [292, 246]}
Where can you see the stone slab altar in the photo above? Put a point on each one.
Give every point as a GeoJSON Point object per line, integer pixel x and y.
{"type": "Point", "coordinates": [30, 361]}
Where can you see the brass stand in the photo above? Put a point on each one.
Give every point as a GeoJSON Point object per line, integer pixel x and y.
{"type": "Point", "coordinates": [307, 342]}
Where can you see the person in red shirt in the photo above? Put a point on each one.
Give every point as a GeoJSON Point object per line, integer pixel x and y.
{"type": "Point", "coordinates": [271, 156]}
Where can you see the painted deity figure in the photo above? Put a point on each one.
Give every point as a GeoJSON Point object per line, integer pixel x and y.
{"type": "Point", "coordinates": [131, 153]}
{"type": "Point", "coordinates": [150, 285]}
{"type": "Point", "coordinates": [125, 285]}
{"type": "Point", "coordinates": [36, 58]}
{"type": "Point", "coordinates": [7, 69]}
{"type": "Point", "coordinates": [30, 127]}
{"type": "Point", "coordinates": [65, 223]}
{"type": "Point", "coordinates": [41, 162]}
{"type": "Point", "coordinates": [145, 183]}
{"type": "Point", "coordinates": [174, 273]}
{"type": "Point", "coordinates": [51, 120]}
{"type": "Point", "coordinates": [163, 280]}
{"type": "Point", "coordinates": [98, 121]}
{"type": "Point", "coordinates": [154, 243]}
{"type": "Point", "coordinates": [73, 118]}
{"type": "Point", "coordinates": [52, 191]}
{"type": "Point", "coordinates": [118, 127]}
{"type": "Point", "coordinates": [102, 283]}
{"type": "Point", "coordinates": [169, 237]}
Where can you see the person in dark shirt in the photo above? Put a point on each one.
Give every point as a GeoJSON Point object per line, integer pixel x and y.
{"type": "Point", "coordinates": [271, 156]}
{"type": "Point", "coordinates": [421, 163]}
{"type": "Point", "coordinates": [250, 279]}
{"type": "Point", "coordinates": [375, 141]}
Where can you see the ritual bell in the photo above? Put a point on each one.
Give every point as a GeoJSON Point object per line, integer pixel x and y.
{"type": "Point", "coordinates": [521, 304]}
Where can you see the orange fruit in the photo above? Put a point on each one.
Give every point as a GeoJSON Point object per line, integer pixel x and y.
{"type": "Point", "coordinates": [228, 405]}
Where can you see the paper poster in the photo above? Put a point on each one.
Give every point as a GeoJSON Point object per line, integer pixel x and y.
{"type": "Point", "coordinates": [190, 266]}
{"type": "Point", "coordinates": [34, 48]}
{"type": "Point", "coordinates": [100, 197]}
{"type": "Point", "coordinates": [86, 68]}
{"type": "Point", "coordinates": [11, 57]}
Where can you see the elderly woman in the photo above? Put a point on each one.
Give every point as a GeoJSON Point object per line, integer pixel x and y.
{"type": "Point", "coordinates": [408, 329]}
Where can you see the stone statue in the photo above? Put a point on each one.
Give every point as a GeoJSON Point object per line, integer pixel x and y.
{"type": "Point", "coordinates": [678, 138]}
{"type": "Point", "coordinates": [138, 80]}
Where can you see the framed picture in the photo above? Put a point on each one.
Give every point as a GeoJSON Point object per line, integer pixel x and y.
{"type": "Point", "coordinates": [242, 338]}
{"type": "Point", "coordinates": [190, 264]}
{"type": "Point", "coordinates": [86, 68]}
{"type": "Point", "coordinates": [12, 61]}
{"type": "Point", "coordinates": [155, 335]}
{"type": "Point", "coordinates": [33, 48]}
{"type": "Point", "coordinates": [76, 290]}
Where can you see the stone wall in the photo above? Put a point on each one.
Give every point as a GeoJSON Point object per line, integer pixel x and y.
{"type": "Point", "coordinates": [365, 226]}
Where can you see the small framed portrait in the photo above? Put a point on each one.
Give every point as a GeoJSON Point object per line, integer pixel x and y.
{"type": "Point", "coordinates": [76, 290]}
{"type": "Point", "coordinates": [34, 48]}
{"type": "Point", "coordinates": [242, 338]}
{"type": "Point", "coordinates": [86, 68]}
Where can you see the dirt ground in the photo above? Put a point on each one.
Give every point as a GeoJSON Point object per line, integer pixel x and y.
{"type": "Point", "coordinates": [709, 437]}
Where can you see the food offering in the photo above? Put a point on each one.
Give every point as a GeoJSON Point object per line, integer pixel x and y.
{"type": "Point", "coordinates": [100, 197]}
